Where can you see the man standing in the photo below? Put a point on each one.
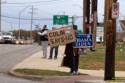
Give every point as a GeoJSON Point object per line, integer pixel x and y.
{"type": "Point", "coordinates": [44, 40]}
{"type": "Point", "coordinates": [55, 48]}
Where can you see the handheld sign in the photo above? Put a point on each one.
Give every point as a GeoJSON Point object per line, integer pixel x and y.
{"type": "Point", "coordinates": [83, 41]}
{"type": "Point", "coordinates": [61, 36]}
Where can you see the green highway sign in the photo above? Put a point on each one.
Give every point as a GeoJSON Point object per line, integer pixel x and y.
{"type": "Point", "coordinates": [60, 19]}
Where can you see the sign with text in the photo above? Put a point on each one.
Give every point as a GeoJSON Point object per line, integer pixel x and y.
{"type": "Point", "coordinates": [60, 36]}
{"type": "Point", "coordinates": [115, 10]}
{"type": "Point", "coordinates": [84, 40]}
{"type": "Point", "coordinates": [60, 19]}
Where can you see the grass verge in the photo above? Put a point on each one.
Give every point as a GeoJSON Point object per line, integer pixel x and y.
{"type": "Point", "coordinates": [96, 60]}
{"type": "Point", "coordinates": [117, 79]}
{"type": "Point", "coordinates": [41, 72]}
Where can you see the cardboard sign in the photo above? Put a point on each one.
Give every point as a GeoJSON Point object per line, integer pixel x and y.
{"type": "Point", "coordinates": [83, 41]}
{"type": "Point", "coordinates": [60, 36]}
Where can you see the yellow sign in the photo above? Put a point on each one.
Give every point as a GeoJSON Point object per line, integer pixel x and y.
{"type": "Point", "coordinates": [60, 36]}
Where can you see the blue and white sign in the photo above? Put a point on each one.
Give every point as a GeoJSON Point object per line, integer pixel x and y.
{"type": "Point", "coordinates": [84, 40]}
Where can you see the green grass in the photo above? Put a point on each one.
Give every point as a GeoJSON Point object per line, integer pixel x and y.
{"type": "Point", "coordinates": [41, 72]}
{"type": "Point", "coordinates": [117, 79]}
{"type": "Point", "coordinates": [96, 60]}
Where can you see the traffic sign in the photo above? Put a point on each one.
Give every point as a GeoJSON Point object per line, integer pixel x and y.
{"type": "Point", "coordinates": [83, 41]}
{"type": "Point", "coordinates": [115, 10]}
{"type": "Point", "coordinates": [60, 19]}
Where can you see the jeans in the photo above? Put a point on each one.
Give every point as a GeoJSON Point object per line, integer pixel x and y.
{"type": "Point", "coordinates": [56, 51]}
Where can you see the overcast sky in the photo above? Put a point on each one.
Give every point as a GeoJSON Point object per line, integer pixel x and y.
{"type": "Point", "coordinates": [45, 9]}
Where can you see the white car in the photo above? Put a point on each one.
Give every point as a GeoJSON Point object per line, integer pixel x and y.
{"type": "Point", "coordinates": [8, 39]}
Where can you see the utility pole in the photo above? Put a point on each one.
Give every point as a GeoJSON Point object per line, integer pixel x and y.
{"type": "Point", "coordinates": [86, 16]}
{"type": "Point", "coordinates": [110, 36]}
{"type": "Point", "coordinates": [19, 37]}
{"type": "Point", "coordinates": [73, 20]}
{"type": "Point", "coordinates": [94, 20]}
{"type": "Point", "coordinates": [31, 25]}
{"type": "Point", "coordinates": [0, 15]}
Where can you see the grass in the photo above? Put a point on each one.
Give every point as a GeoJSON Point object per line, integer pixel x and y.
{"type": "Point", "coordinates": [41, 72]}
{"type": "Point", "coordinates": [117, 79]}
{"type": "Point", "coordinates": [96, 60]}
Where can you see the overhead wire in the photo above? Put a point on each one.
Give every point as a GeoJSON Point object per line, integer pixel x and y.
{"type": "Point", "coordinates": [32, 2]}
{"type": "Point", "coordinates": [34, 18]}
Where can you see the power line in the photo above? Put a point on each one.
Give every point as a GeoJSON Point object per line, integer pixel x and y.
{"type": "Point", "coordinates": [33, 2]}
{"type": "Point", "coordinates": [25, 18]}
{"type": "Point", "coordinates": [34, 18]}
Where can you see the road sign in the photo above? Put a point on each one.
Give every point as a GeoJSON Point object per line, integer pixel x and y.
{"type": "Point", "coordinates": [84, 40]}
{"type": "Point", "coordinates": [60, 19]}
{"type": "Point", "coordinates": [115, 10]}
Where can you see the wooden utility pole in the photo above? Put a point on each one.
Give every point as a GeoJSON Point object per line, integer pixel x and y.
{"type": "Point", "coordinates": [86, 19]}
{"type": "Point", "coordinates": [94, 20]}
{"type": "Point", "coordinates": [110, 37]}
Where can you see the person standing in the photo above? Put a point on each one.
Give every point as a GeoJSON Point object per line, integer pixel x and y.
{"type": "Point", "coordinates": [55, 48]}
{"type": "Point", "coordinates": [44, 40]}
{"type": "Point", "coordinates": [71, 59]}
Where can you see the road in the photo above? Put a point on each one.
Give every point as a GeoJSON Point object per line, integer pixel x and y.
{"type": "Point", "coordinates": [11, 55]}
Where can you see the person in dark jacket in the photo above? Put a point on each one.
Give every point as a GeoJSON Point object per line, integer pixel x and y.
{"type": "Point", "coordinates": [71, 59]}
{"type": "Point", "coordinates": [44, 40]}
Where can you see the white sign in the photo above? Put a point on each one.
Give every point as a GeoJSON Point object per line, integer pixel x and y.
{"type": "Point", "coordinates": [115, 10]}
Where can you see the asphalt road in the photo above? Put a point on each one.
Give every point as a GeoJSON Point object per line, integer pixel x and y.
{"type": "Point", "coordinates": [10, 55]}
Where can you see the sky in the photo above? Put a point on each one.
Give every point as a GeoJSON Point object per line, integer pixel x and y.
{"type": "Point", "coordinates": [44, 10]}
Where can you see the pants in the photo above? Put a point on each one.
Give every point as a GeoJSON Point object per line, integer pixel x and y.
{"type": "Point", "coordinates": [75, 61]}
{"type": "Point", "coordinates": [75, 64]}
{"type": "Point", "coordinates": [44, 48]}
{"type": "Point", "coordinates": [56, 51]}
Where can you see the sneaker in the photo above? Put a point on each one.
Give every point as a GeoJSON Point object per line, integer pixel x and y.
{"type": "Point", "coordinates": [73, 73]}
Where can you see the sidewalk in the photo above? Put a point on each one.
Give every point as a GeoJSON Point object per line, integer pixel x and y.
{"type": "Point", "coordinates": [37, 62]}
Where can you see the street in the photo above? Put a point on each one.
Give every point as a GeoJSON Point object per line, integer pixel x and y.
{"type": "Point", "coordinates": [10, 55]}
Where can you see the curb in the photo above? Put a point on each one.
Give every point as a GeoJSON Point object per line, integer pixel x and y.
{"type": "Point", "coordinates": [90, 81]}
{"type": "Point", "coordinates": [32, 77]}
{"type": "Point", "coordinates": [36, 77]}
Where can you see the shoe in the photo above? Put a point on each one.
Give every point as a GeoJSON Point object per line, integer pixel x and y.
{"type": "Point", "coordinates": [75, 73]}
{"type": "Point", "coordinates": [44, 57]}
{"type": "Point", "coordinates": [55, 57]}
{"type": "Point", "coordinates": [49, 58]}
